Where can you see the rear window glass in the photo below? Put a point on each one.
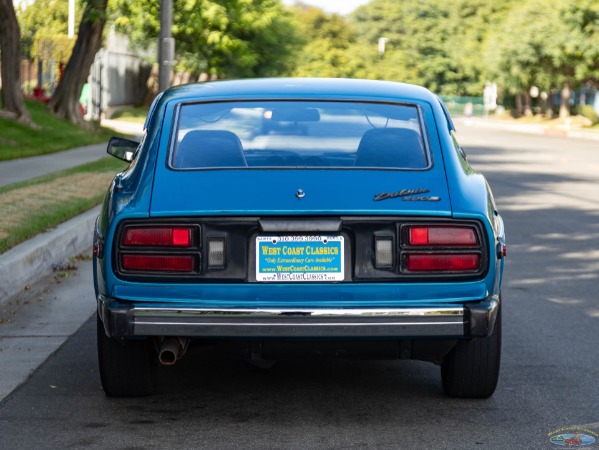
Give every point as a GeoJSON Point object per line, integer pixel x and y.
{"type": "Point", "coordinates": [298, 134]}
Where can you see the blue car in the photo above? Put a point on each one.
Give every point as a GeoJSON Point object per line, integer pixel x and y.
{"type": "Point", "coordinates": [298, 218]}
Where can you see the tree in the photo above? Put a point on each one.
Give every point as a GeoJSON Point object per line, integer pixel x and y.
{"type": "Point", "coordinates": [65, 101]}
{"type": "Point", "coordinates": [44, 17]}
{"type": "Point", "coordinates": [44, 26]}
{"type": "Point", "coordinates": [416, 32]}
{"type": "Point", "coordinates": [328, 39]}
{"type": "Point", "coordinates": [434, 43]}
{"type": "Point", "coordinates": [224, 38]}
{"type": "Point", "coordinates": [13, 104]}
{"type": "Point", "coordinates": [547, 44]}
{"type": "Point", "coordinates": [582, 19]}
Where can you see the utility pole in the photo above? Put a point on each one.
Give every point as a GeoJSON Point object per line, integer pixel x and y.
{"type": "Point", "coordinates": [166, 45]}
{"type": "Point", "coordinates": [71, 25]}
{"type": "Point", "coordinates": [382, 42]}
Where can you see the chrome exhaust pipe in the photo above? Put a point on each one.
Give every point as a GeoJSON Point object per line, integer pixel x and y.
{"type": "Point", "coordinates": [172, 349]}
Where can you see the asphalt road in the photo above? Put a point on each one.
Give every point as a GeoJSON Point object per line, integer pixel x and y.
{"type": "Point", "coordinates": [548, 192]}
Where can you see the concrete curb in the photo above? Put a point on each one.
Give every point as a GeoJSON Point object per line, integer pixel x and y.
{"type": "Point", "coordinates": [34, 259]}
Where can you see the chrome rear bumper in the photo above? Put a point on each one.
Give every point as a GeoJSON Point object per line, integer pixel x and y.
{"type": "Point", "coordinates": [123, 320]}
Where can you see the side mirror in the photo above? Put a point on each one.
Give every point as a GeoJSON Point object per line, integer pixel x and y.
{"type": "Point", "coordinates": [121, 148]}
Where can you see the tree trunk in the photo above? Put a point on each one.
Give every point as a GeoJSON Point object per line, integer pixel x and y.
{"type": "Point", "coordinates": [527, 104]}
{"type": "Point", "coordinates": [519, 108]}
{"type": "Point", "coordinates": [13, 104]}
{"type": "Point", "coordinates": [65, 101]}
{"type": "Point", "coordinates": [564, 107]}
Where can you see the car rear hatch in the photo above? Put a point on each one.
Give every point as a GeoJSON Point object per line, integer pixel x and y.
{"type": "Point", "coordinates": [300, 192]}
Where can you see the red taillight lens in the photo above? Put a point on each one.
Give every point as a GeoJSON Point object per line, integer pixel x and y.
{"type": "Point", "coordinates": [442, 236]}
{"type": "Point", "coordinates": [442, 262]}
{"type": "Point", "coordinates": [157, 237]}
{"type": "Point", "coordinates": [158, 263]}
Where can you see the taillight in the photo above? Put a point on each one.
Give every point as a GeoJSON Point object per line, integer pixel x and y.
{"type": "Point", "coordinates": [442, 262]}
{"type": "Point", "coordinates": [442, 249]}
{"type": "Point", "coordinates": [159, 248]}
{"type": "Point", "coordinates": [158, 263]}
{"type": "Point", "coordinates": [157, 237]}
{"type": "Point", "coordinates": [442, 236]}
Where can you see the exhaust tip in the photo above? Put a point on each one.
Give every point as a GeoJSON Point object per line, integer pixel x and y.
{"type": "Point", "coordinates": [171, 349]}
{"type": "Point", "coordinates": [167, 358]}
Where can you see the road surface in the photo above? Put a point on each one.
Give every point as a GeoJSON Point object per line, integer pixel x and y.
{"type": "Point", "coordinates": [548, 192]}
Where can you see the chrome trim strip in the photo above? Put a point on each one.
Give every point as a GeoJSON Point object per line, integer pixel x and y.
{"type": "Point", "coordinates": [234, 312]}
{"type": "Point", "coordinates": [332, 323]}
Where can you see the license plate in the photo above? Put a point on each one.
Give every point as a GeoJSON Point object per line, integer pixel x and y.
{"type": "Point", "coordinates": [299, 258]}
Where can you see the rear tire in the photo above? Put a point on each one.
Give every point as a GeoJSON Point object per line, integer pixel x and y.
{"type": "Point", "coordinates": [128, 368]}
{"type": "Point", "coordinates": [471, 369]}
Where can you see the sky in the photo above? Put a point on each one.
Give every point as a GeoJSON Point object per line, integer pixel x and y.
{"type": "Point", "coordinates": [342, 7]}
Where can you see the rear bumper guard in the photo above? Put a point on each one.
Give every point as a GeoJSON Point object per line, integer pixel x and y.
{"type": "Point", "coordinates": [123, 320]}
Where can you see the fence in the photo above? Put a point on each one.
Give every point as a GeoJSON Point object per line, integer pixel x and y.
{"type": "Point", "coordinates": [458, 106]}
{"type": "Point", "coordinates": [115, 79]}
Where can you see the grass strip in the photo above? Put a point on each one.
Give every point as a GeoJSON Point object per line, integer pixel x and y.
{"type": "Point", "coordinates": [53, 135]}
{"type": "Point", "coordinates": [135, 115]}
{"type": "Point", "coordinates": [32, 207]}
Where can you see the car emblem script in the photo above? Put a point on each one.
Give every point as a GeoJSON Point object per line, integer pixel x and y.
{"type": "Point", "coordinates": [406, 194]}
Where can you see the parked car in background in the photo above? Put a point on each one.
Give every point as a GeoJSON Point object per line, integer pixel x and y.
{"type": "Point", "coordinates": [296, 218]}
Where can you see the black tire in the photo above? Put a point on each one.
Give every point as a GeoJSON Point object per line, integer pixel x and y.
{"type": "Point", "coordinates": [471, 369]}
{"type": "Point", "coordinates": [128, 368]}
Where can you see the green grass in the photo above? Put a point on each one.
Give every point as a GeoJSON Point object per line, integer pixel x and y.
{"type": "Point", "coordinates": [137, 115]}
{"type": "Point", "coordinates": [32, 207]}
{"type": "Point", "coordinates": [54, 135]}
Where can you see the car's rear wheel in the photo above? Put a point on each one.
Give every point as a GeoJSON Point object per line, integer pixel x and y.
{"type": "Point", "coordinates": [471, 369]}
{"type": "Point", "coordinates": [128, 368]}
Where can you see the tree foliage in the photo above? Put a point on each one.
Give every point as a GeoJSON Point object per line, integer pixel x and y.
{"type": "Point", "coordinates": [226, 38]}
{"type": "Point", "coordinates": [455, 46]}
{"type": "Point", "coordinates": [44, 27]}
{"type": "Point", "coordinates": [330, 48]}
{"type": "Point", "coordinates": [449, 46]}
{"type": "Point", "coordinates": [582, 48]}
{"type": "Point", "coordinates": [435, 43]}
{"type": "Point", "coordinates": [526, 52]}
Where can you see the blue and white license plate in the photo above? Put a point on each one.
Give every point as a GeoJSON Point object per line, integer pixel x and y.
{"type": "Point", "coordinates": [299, 258]}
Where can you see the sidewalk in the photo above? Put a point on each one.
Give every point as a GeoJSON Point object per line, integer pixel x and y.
{"type": "Point", "coordinates": [528, 128]}
{"type": "Point", "coordinates": [36, 258]}
{"type": "Point", "coordinates": [24, 169]}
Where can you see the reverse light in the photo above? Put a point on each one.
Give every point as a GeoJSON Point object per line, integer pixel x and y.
{"type": "Point", "coordinates": [438, 262]}
{"type": "Point", "coordinates": [157, 237]}
{"type": "Point", "coordinates": [158, 263]}
{"type": "Point", "coordinates": [442, 236]}
{"type": "Point", "coordinates": [216, 252]}
{"type": "Point", "coordinates": [383, 252]}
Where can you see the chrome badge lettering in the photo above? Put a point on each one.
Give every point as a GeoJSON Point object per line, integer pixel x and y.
{"type": "Point", "coordinates": [406, 193]}
{"type": "Point", "coordinates": [421, 199]}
